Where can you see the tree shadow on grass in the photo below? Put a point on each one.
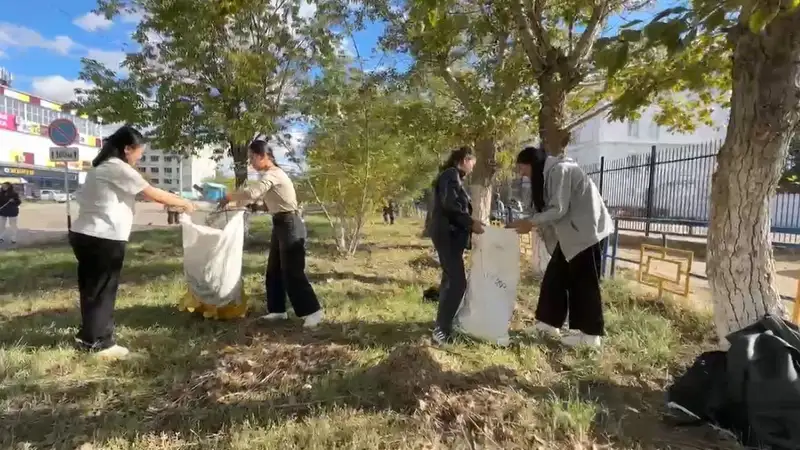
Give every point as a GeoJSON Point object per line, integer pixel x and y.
{"type": "Point", "coordinates": [377, 280]}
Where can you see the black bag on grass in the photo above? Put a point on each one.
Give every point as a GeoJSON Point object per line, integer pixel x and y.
{"type": "Point", "coordinates": [752, 390]}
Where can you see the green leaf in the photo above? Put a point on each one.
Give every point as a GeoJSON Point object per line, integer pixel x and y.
{"type": "Point", "coordinates": [634, 23]}
{"type": "Point", "coordinates": [433, 17]}
{"type": "Point", "coordinates": [761, 18]}
{"type": "Point", "coordinates": [619, 59]}
{"type": "Point", "coordinates": [717, 18]}
{"type": "Point", "coordinates": [667, 12]}
{"type": "Point", "coordinates": [631, 35]}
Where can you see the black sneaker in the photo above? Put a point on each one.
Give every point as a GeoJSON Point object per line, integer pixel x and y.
{"type": "Point", "coordinates": [441, 337]}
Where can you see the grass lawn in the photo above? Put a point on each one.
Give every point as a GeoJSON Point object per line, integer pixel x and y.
{"type": "Point", "coordinates": [367, 379]}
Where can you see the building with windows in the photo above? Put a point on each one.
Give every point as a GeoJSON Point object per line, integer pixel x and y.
{"type": "Point", "coordinates": [173, 172]}
{"type": "Point", "coordinates": [25, 145]}
{"type": "Point", "coordinates": [600, 137]}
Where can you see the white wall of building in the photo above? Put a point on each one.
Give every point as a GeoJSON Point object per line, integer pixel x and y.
{"type": "Point", "coordinates": [169, 171]}
{"type": "Point", "coordinates": [600, 137]}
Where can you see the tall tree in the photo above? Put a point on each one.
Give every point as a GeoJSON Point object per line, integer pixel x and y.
{"type": "Point", "coordinates": [370, 139]}
{"type": "Point", "coordinates": [468, 46]}
{"type": "Point", "coordinates": [581, 73]}
{"type": "Point", "coordinates": [212, 73]}
{"type": "Point", "coordinates": [762, 39]}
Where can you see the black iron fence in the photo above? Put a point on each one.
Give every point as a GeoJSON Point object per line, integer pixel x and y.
{"type": "Point", "coordinates": [674, 183]}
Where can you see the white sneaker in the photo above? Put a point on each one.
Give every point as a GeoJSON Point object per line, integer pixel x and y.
{"type": "Point", "coordinates": [114, 352]}
{"type": "Point", "coordinates": [543, 328]}
{"type": "Point", "coordinates": [581, 340]}
{"type": "Point", "coordinates": [272, 317]}
{"type": "Point", "coordinates": [314, 319]}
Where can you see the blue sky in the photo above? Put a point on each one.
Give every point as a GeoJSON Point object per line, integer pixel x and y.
{"type": "Point", "coordinates": [42, 42]}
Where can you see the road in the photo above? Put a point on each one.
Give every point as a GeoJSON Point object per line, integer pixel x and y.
{"type": "Point", "coordinates": [47, 222]}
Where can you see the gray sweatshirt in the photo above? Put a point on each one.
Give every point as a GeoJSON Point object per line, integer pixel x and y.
{"type": "Point", "coordinates": [575, 215]}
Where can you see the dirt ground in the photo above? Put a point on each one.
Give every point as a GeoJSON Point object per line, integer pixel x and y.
{"type": "Point", "coordinates": [700, 293]}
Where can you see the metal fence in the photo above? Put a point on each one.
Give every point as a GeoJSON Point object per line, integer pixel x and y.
{"type": "Point", "coordinates": [675, 183]}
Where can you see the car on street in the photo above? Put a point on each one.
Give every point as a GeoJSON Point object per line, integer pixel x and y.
{"type": "Point", "coordinates": [52, 195]}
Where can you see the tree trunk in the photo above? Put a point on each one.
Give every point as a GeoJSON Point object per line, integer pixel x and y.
{"type": "Point", "coordinates": [240, 162]}
{"type": "Point", "coordinates": [764, 113]}
{"type": "Point", "coordinates": [481, 179]}
{"type": "Point", "coordinates": [554, 139]}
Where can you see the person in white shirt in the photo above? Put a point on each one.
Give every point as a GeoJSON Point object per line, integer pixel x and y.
{"type": "Point", "coordinates": [99, 234]}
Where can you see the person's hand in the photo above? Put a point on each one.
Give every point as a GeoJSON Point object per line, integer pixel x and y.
{"type": "Point", "coordinates": [188, 207]}
{"type": "Point", "coordinates": [521, 226]}
{"type": "Point", "coordinates": [223, 202]}
{"type": "Point", "coordinates": [477, 227]}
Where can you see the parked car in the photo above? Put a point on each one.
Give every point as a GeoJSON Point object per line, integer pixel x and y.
{"type": "Point", "coordinates": [52, 195]}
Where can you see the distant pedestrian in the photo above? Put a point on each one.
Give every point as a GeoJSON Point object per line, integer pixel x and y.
{"type": "Point", "coordinates": [173, 213]}
{"type": "Point", "coordinates": [9, 212]}
{"type": "Point", "coordinates": [100, 234]}
{"type": "Point", "coordinates": [389, 212]}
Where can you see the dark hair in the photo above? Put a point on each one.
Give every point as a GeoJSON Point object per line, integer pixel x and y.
{"type": "Point", "coordinates": [535, 157]}
{"type": "Point", "coordinates": [114, 145]}
{"type": "Point", "coordinates": [261, 148]}
{"type": "Point", "coordinates": [10, 186]}
{"type": "Point", "coordinates": [457, 156]}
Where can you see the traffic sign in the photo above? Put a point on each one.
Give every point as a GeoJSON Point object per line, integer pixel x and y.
{"type": "Point", "coordinates": [62, 132]}
{"type": "Point", "coordinates": [64, 154]}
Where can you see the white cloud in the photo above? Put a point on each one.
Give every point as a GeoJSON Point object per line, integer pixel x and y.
{"type": "Point", "coordinates": [23, 37]}
{"type": "Point", "coordinates": [131, 17]}
{"type": "Point", "coordinates": [110, 58]}
{"type": "Point", "coordinates": [92, 22]}
{"type": "Point", "coordinates": [57, 88]}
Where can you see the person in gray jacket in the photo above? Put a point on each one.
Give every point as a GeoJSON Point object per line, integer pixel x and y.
{"type": "Point", "coordinates": [568, 205]}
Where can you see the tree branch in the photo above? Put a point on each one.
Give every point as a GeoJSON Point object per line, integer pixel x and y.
{"type": "Point", "coordinates": [532, 49]}
{"type": "Point", "coordinates": [455, 85]}
{"type": "Point", "coordinates": [584, 45]}
{"type": "Point", "coordinates": [587, 117]}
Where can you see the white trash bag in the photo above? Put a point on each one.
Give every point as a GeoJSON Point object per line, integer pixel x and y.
{"type": "Point", "coordinates": [212, 260]}
{"type": "Point", "coordinates": [492, 288]}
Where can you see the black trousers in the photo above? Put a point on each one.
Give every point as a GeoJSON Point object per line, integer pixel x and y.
{"type": "Point", "coordinates": [454, 281]}
{"type": "Point", "coordinates": [286, 267]}
{"type": "Point", "coordinates": [573, 288]}
{"type": "Point", "coordinates": [99, 267]}
{"type": "Point", "coordinates": [173, 217]}
{"type": "Point", "coordinates": [388, 217]}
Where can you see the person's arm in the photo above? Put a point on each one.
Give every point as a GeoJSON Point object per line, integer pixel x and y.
{"type": "Point", "coordinates": [560, 190]}
{"type": "Point", "coordinates": [17, 200]}
{"type": "Point", "coordinates": [130, 180]}
{"type": "Point", "coordinates": [253, 192]}
{"type": "Point", "coordinates": [448, 187]}
{"type": "Point", "coordinates": [165, 198]}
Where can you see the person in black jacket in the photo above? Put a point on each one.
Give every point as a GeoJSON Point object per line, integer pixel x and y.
{"type": "Point", "coordinates": [450, 227]}
{"type": "Point", "coordinates": [9, 211]}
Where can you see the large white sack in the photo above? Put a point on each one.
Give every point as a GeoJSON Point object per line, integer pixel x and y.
{"type": "Point", "coordinates": [212, 260]}
{"type": "Point", "coordinates": [492, 288]}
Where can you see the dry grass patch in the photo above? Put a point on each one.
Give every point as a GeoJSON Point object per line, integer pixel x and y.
{"type": "Point", "coordinates": [366, 379]}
